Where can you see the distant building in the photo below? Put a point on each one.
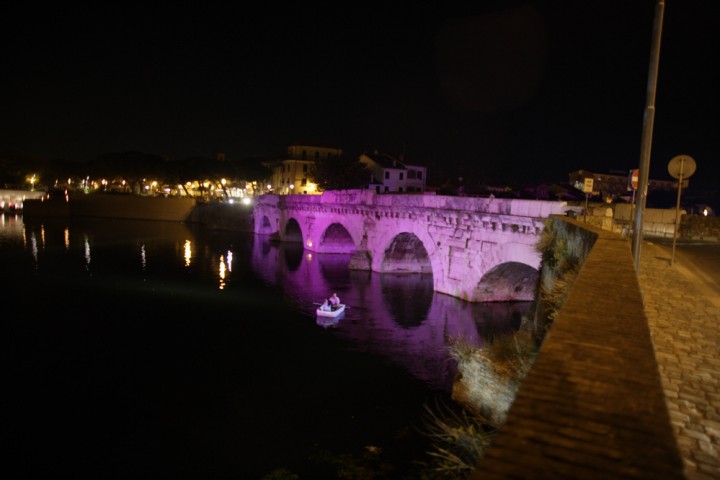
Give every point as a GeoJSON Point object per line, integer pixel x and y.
{"type": "Point", "coordinates": [393, 175]}
{"type": "Point", "coordinates": [611, 186]}
{"type": "Point", "coordinates": [563, 191]}
{"type": "Point", "coordinates": [293, 173]}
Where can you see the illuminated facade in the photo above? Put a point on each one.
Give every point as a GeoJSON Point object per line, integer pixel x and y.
{"type": "Point", "coordinates": [293, 174]}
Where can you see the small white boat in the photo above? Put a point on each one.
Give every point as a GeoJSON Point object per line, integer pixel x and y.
{"type": "Point", "coordinates": [333, 312]}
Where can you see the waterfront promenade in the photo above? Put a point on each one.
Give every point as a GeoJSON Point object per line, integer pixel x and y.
{"type": "Point", "coordinates": [683, 312]}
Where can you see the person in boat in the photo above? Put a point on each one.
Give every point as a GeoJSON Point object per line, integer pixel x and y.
{"type": "Point", "coordinates": [325, 307]}
{"type": "Point", "coordinates": [335, 301]}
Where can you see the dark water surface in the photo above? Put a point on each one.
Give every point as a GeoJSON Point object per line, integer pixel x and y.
{"type": "Point", "coordinates": [155, 349]}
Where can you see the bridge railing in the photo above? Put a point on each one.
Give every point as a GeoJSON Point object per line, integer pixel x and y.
{"type": "Point", "coordinates": [501, 206]}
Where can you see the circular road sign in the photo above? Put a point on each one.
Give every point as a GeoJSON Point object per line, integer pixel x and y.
{"type": "Point", "coordinates": [634, 178]}
{"type": "Point", "coordinates": [682, 163]}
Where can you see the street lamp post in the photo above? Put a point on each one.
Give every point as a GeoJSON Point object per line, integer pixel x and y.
{"type": "Point", "coordinates": [647, 132]}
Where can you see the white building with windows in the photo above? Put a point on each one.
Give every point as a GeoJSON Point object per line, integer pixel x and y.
{"type": "Point", "coordinates": [393, 175]}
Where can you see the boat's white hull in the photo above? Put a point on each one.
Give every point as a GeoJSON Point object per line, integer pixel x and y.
{"type": "Point", "coordinates": [331, 313]}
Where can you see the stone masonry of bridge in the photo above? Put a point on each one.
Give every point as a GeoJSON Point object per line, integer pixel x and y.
{"type": "Point", "coordinates": [478, 249]}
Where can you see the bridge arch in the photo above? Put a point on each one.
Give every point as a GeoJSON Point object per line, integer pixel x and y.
{"type": "Point", "coordinates": [517, 252]}
{"type": "Point", "coordinates": [405, 254]}
{"type": "Point", "coordinates": [406, 244]}
{"type": "Point", "coordinates": [293, 231]}
{"type": "Point", "coordinates": [333, 234]}
{"type": "Point", "coordinates": [507, 281]}
{"type": "Point", "coordinates": [511, 274]}
{"type": "Point", "coordinates": [336, 239]}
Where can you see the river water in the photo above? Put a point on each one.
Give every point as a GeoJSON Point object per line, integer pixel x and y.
{"type": "Point", "coordinates": [157, 349]}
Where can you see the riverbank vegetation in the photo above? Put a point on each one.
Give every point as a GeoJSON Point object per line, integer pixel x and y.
{"type": "Point", "coordinates": [489, 376]}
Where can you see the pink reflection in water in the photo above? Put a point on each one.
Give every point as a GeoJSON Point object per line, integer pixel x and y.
{"type": "Point", "coordinates": [395, 316]}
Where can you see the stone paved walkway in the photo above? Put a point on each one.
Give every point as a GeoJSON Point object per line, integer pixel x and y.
{"type": "Point", "coordinates": [684, 319]}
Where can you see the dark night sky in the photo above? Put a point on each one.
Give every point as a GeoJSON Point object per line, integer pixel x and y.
{"type": "Point", "coordinates": [510, 89]}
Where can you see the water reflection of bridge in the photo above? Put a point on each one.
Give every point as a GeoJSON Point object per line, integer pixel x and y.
{"type": "Point", "coordinates": [395, 316]}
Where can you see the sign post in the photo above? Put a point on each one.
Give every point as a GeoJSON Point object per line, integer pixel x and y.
{"type": "Point", "coordinates": [680, 167]}
{"type": "Point", "coordinates": [634, 176]}
{"type": "Point", "coordinates": [587, 188]}
{"type": "Point", "coordinates": [634, 181]}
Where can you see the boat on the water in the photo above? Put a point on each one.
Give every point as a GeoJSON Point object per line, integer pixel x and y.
{"type": "Point", "coordinates": [333, 312]}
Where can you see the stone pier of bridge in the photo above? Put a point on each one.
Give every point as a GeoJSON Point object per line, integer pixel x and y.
{"type": "Point", "coordinates": [478, 249]}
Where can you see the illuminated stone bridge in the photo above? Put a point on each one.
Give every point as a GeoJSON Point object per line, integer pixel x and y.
{"type": "Point", "coordinates": [477, 249]}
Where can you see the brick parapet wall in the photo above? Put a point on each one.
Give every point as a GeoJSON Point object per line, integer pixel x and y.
{"type": "Point", "coordinates": [592, 405]}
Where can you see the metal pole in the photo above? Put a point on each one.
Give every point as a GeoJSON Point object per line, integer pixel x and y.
{"type": "Point", "coordinates": [646, 143]}
{"type": "Point", "coordinates": [677, 210]}
{"type": "Point", "coordinates": [632, 211]}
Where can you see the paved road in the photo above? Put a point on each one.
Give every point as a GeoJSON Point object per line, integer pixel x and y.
{"type": "Point", "coordinates": [700, 261]}
{"type": "Point", "coordinates": [682, 303]}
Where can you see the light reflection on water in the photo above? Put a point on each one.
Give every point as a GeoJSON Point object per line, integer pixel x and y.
{"type": "Point", "coordinates": [396, 316]}
{"type": "Point", "coordinates": [11, 229]}
{"type": "Point", "coordinates": [175, 345]}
